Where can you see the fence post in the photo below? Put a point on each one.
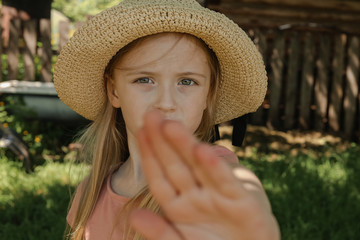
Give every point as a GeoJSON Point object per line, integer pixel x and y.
{"type": "Point", "coordinates": [322, 82]}
{"type": "Point", "coordinates": [337, 92]}
{"type": "Point", "coordinates": [352, 88]}
{"type": "Point", "coordinates": [292, 81]}
{"type": "Point", "coordinates": [30, 38]}
{"type": "Point", "coordinates": [307, 81]}
{"type": "Point", "coordinates": [276, 75]}
{"type": "Point", "coordinates": [64, 28]}
{"type": "Point", "coordinates": [13, 49]}
{"type": "Point", "coordinates": [1, 51]}
{"type": "Point", "coordinates": [46, 54]}
{"type": "Point", "coordinates": [260, 41]}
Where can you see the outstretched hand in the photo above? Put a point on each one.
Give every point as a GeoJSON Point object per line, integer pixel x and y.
{"type": "Point", "coordinates": [200, 196]}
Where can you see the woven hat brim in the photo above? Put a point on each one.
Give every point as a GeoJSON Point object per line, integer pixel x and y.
{"type": "Point", "coordinates": [78, 75]}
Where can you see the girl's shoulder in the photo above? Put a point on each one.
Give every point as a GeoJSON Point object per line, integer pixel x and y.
{"type": "Point", "coordinates": [75, 202]}
{"type": "Point", "coordinates": [79, 192]}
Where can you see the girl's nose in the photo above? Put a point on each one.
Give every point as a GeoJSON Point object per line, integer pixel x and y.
{"type": "Point", "coordinates": [166, 101]}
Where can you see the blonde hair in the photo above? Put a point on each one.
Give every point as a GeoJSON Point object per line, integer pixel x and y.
{"type": "Point", "coordinates": [105, 144]}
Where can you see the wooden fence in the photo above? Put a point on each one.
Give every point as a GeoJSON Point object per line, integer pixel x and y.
{"type": "Point", "coordinates": [311, 50]}
{"type": "Point", "coordinates": [31, 31]}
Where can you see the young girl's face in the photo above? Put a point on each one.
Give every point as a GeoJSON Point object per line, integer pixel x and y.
{"type": "Point", "coordinates": [168, 72]}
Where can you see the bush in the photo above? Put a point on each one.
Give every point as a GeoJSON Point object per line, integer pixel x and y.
{"type": "Point", "coordinates": [46, 140]}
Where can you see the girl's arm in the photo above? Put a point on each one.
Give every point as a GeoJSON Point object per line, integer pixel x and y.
{"type": "Point", "coordinates": [200, 195]}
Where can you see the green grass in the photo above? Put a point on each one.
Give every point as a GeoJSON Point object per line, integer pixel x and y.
{"type": "Point", "coordinates": [34, 206]}
{"type": "Point", "coordinates": [313, 195]}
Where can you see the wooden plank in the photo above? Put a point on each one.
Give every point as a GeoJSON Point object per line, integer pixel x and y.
{"type": "Point", "coordinates": [292, 15]}
{"type": "Point", "coordinates": [1, 50]}
{"type": "Point", "coordinates": [322, 82]}
{"type": "Point", "coordinates": [255, 21]}
{"type": "Point", "coordinates": [352, 87]}
{"type": "Point", "coordinates": [276, 76]}
{"type": "Point", "coordinates": [307, 81]}
{"type": "Point", "coordinates": [292, 81]}
{"type": "Point", "coordinates": [64, 29]}
{"type": "Point", "coordinates": [261, 44]}
{"type": "Point", "coordinates": [347, 6]}
{"type": "Point", "coordinates": [342, 16]}
{"type": "Point", "coordinates": [46, 53]}
{"type": "Point", "coordinates": [13, 50]}
{"type": "Point", "coordinates": [30, 38]}
{"type": "Point", "coordinates": [202, 2]}
{"type": "Point", "coordinates": [358, 119]}
{"type": "Point", "coordinates": [337, 92]}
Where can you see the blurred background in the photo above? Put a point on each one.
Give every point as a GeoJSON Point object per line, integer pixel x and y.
{"type": "Point", "coordinates": [303, 142]}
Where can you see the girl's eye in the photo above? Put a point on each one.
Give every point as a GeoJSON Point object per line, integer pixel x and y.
{"type": "Point", "coordinates": [144, 80]}
{"type": "Point", "coordinates": [187, 82]}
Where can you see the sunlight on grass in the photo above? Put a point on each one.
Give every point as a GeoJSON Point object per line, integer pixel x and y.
{"type": "Point", "coordinates": [14, 182]}
{"type": "Point", "coordinates": [311, 196]}
{"type": "Point", "coordinates": [34, 206]}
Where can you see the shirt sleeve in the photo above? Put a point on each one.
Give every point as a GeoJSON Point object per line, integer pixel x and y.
{"type": "Point", "coordinates": [226, 154]}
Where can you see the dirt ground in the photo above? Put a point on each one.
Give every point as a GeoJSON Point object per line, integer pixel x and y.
{"type": "Point", "coordinates": [295, 141]}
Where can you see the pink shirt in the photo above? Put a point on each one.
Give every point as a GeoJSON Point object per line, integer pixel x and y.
{"type": "Point", "coordinates": [107, 214]}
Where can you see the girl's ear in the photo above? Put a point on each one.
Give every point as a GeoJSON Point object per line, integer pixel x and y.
{"type": "Point", "coordinates": [112, 93]}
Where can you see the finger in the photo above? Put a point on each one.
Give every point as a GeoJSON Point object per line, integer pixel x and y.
{"type": "Point", "coordinates": [210, 169]}
{"type": "Point", "coordinates": [175, 168]}
{"type": "Point", "coordinates": [183, 142]}
{"type": "Point", "coordinates": [152, 226]}
{"type": "Point", "coordinates": [219, 175]}
{"type": "Point", "coordinates": [158, 184]}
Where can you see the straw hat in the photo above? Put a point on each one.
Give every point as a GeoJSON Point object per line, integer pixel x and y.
{"type": "Point", "coordinates": [78, 75]}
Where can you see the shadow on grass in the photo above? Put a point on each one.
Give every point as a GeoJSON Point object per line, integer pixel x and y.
{"type": "Point", "coordinates": [313, 198]}
{"type": "Point", "coordinates": [36, 215]}
{"type": "Point", "coordinates": [273, 142]}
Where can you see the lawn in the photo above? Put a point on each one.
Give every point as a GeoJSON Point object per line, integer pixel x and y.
{"type": "Point", "coordinates": [311, 179]}
{"type": "Point", "coordinates": [34, 206]}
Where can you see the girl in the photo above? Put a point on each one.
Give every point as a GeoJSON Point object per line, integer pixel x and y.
{"type": "Point", "coordinates": [155, 77]}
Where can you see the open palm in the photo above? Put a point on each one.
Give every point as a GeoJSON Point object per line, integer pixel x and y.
{"type": "Point", "coordinates": [197, 191]}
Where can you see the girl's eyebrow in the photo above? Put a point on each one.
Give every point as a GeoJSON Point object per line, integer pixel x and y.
{"type": "Point", "coordinates": [131, 72]}
{"type": "Point", "coordinates": [193, 73]}
{"type": "Point", "coordinates": [134, 72]}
